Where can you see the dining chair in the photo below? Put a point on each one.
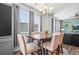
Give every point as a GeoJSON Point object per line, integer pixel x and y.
{"type": "Point", "coordinates": [26, 48]}
{"type": "Point", "coordinates": [52, 46]}
{"type": "Point", "coordinates": [25, 38]}
{"type": "Point", "coordinates": [43, 34]}
{"type": "Point", "coordinates": [32, 34]}
{"type": "Point", "coordinates": [60, 42]}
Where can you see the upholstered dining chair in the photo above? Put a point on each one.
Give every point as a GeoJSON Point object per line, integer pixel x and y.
{"type": "Point", "coordinates": [43, 34]}
{"type": "Point", "coordinates": [52, 46]}
{"type": "Point", "coordinates": [60, 42]}
{"type": "Point", "coordinates": [32, 34]}
{"type": "Point", "coordinates": [26, 48]}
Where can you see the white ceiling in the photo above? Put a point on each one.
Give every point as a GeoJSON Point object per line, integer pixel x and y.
{"type": "Point", "coordinates": [58, 7]}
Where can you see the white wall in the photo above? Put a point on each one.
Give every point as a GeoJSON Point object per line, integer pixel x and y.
{"type": "Point", "coordinates": [46, 23]}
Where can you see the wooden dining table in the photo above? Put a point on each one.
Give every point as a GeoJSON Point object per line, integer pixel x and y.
{"type": "Point", "coordinates": [41, 39]}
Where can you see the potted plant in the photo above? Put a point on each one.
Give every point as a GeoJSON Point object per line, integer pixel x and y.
{"type": "Point", "coordinates": [46, 32]}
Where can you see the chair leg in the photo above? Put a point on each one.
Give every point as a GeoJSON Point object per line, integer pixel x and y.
{"type": "Point", "coordinates": [54, 52]}
{"type": "Point", "coordinates": [45, 51]}
{"type": "Point", "coordinates": [21, 54]}
{"type": "Point", "coordinates": [57, 51]}
{"type": "Point", "coordinates": [38, 52]}
{"type": "Point", "coordinates": [50, 53]}
{"type": "Point", "coordinates": [61, 49]}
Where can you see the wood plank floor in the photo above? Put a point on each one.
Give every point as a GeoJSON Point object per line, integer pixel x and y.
{"type": "Point", "coordinates": [70, 50]}
{"type": "Point", "coordinates": [67, 50]}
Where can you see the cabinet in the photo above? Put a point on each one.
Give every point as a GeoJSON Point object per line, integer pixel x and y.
{"type": "Point", "coordinates": [67, 38]}
{"type": "Point", "coordinates": [72, 39]}
{"type": "Point", "coordinates": [70, 25]}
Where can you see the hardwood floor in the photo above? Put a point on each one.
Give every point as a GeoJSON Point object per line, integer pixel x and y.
{"type": "Point", "coordinates": [67, 50]}
{"type": "Point", "coordinates": [70, 50]}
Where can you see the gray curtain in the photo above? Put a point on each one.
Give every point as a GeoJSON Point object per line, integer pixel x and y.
{"type": "Point", "coordinates": [31, 22]}
{"type": "Point", "coordinates": [16, 24]}
{"type": "Point", "coordinates": [41, 23]}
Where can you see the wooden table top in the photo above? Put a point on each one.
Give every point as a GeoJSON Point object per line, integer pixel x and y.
{"type": "Point", "coordinates": [39, 36]}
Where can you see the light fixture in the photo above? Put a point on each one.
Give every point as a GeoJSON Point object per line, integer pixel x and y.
{"type": "Point", "coordinates": [76, 15]}
{"type": "Point", "coordinates": [45, 9]}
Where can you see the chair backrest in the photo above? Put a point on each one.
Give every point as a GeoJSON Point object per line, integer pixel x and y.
{"type": "Point", "coordinates": [21, 44]}
{"type": "Point", "coordinates": [57, 32]}
{"type": "Point", "coordinates": [61, 38]}
{"type": "Point", "coordinates": [43, 34]}
{"type": "Point", "coordinates": [55, 41]}
{"type": "Point", "coordinates": [32, 33]}
{"type": "Point", "coordinates": [26, 39]}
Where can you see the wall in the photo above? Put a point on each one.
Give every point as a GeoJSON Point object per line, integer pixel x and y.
{"type": "Point", "coordinates": [46, 23]}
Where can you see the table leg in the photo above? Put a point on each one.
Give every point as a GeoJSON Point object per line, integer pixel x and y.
{"type": "Point", "coordinates": [41, 47]}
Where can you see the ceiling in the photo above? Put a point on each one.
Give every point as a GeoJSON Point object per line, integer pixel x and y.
{"type": "Point", "coordinates": [57, 7]}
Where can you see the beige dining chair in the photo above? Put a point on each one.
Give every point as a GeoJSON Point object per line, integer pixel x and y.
{"type": "Point", "coordinates": [26, 48]}
{"type": "Point", "coordinates": [32, 34]}
{"type": "Point", "coordinates": [43, 34]}
{"type": "Point", "coordinates": [60, 42]}
{"type": "Point", "coordinates": [52, 46]}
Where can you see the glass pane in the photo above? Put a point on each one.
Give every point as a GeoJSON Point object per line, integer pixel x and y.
{"type": "Point", "coordinates": [36, 23]}
{"type": "Point", "coordinates": [24, 21]}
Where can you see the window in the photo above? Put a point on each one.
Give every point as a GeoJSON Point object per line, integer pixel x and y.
{"type": "Point", "coordinates": [36, 23]}
{"type": "Point", "coordinates": [24, 20]}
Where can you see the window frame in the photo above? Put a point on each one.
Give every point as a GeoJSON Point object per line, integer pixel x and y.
{"type": "Point", "coordinates": [39, 30]}
{"type": "Point", "coordinates": [26, 18]}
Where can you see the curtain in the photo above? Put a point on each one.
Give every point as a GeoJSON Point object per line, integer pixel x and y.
{"type": "Point", "coordinates": [16, 24]}
{"type": "Point", "coordinates": [31, 22]}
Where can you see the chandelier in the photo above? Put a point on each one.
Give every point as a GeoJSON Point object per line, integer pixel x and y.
{"type": "Point", "coordinates": [45, 9]}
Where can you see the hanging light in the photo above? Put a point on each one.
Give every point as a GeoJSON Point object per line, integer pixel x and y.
{"type": "Point", "coordinates": [45, 9]}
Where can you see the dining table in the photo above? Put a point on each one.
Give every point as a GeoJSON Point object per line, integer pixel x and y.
{"type": "Point", "coordinates": [41, 39]}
